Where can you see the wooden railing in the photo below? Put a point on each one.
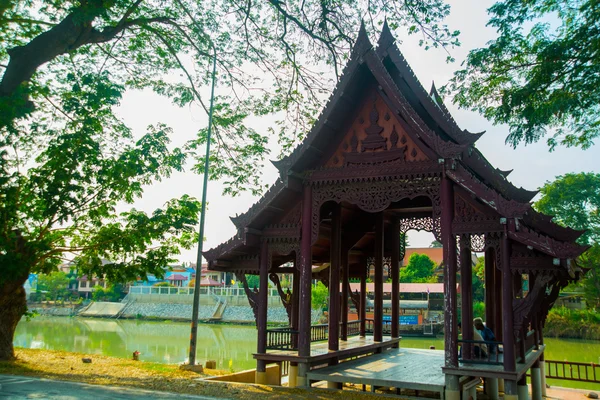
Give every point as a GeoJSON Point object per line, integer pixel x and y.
{"type": "Point", "coordinates": [477, 355]}
{"type": "Point", "coordinates": [573, 371]}
{"type": "Point", "coordinates": [282, 339]}
{"type": "Point", "coordinates": [287, 338]}
{"type": "Point", "coordinates": [353, 328]}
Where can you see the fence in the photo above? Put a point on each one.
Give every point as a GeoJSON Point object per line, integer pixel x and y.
{"type": "Point", "coordinates": [287, 338]}
{"type": "Point", "coordinates": [573, 371]}
{"type": "Point", "coordinates": [218, 291]}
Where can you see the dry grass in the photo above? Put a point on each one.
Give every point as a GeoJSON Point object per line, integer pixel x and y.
{"type": "Point", "coordinates": [61, 365]}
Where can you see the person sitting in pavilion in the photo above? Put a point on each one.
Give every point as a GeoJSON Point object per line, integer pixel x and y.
{"type": "Point", "coordinates": [487, 335]}
{"type": "Point", "coordinates": [479, 348]}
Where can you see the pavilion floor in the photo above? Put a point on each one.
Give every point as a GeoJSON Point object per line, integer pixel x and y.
{"type": "Point", "coordinates": [319, 352]}
{"type": "Point", "coordinates": [396, 368]}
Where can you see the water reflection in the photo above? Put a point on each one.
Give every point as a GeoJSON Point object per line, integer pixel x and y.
{"type": "Point", "coordinates": [164, 342]}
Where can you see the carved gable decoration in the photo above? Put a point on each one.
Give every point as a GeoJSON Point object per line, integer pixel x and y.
{"type": "Point", "coordinates": [375, 137]}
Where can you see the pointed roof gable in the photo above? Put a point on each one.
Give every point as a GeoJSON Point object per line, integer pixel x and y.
{"type": "Point", "coordinates": [422, 116]}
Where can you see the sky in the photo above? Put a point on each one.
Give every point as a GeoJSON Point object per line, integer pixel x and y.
{"type": "Point", "coordinates": [533, 165]}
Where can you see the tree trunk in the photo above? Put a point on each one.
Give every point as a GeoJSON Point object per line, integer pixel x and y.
{"type": "Point", "coordinates": [13, 304]}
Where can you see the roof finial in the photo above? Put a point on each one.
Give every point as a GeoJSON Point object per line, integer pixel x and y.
{"type": "Point", "coordinates": [386, 39]}
{"type": "Point", "coordinates": [362, 44]}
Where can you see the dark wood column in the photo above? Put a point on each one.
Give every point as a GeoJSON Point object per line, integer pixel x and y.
{"type": "Point", "coordinates": [345, 294]}
{"type": "Point", "coordinates": [334, 277]}
{"type": "Point", "coordinates": [395, 271]}
{"type": "Point", "coordinates": [362, 313]}
{"type": "Point", "coordinates": [296, 298]}
{"type": "Point", "coordinates": [378, 301]}
{"type": "Point", "coordinates": [262, 302]}
{"type": "Point", "coordinates": [490, 286]}
{"type": "Point", "coordinates": [507, 308]}
{"type": "Point", "coordinates": [497, 305]}
{"type": "Point", "coordinates": [466, 287]}
{"type": "Point", "coordinates": [450, 303]}
{"type": "Point", "coordinates": [305, 274]}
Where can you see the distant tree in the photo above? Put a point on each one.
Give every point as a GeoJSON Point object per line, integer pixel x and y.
{"type": "Point", "coordinates": [163, 284]}
{"type": "Point", "coordinates": [477, 277]}
{"type": "Point", "coordinates": [113, 292]}
{"type": "Point", "coordinates": [574, 201]}
{"type": "Point", "coordinates": [319, 296]}
{"type": "Point", "coordinates": [540, 75]}
{"type": "Point", "coordinates": [253, 281]}
{"type": "Point", "coordinates": [436, 244]}
{"type": "Point", "coordinates": [55, 283]}
{"type": "Point", "coordinates": [419, 270]}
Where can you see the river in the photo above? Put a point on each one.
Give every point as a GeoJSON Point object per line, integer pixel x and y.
{"type": "Point", "coordinates": [231, 346]}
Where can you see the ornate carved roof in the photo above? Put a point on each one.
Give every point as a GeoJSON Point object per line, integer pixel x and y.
{"type": "Point", "coordinates": [419, 115]}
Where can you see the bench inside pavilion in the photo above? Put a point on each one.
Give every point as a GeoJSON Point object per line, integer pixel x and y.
{"type": "Point", "coordinates": [385, 157]}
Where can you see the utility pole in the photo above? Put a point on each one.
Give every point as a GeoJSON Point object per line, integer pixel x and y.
{"type": "Point", "coordinates": [194, 329]}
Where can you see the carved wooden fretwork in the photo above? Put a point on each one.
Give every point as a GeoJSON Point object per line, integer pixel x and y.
{"type": "Point", "coordinates": [490, 197]}
{"type": "Point", "coordinates": [284, 248]}
{"type": "Point", "coordinates": [286, 297]}
{"type": "Point", "coordinates": [251, 294]}
{"type": "Point", "coordinates": [292, 217]}
{"type": "Point", "coordinates": [374, 196]}
{"type": "Point", "coordinates": [368, 154]}
{"type": "Point", "coordinates": [523, 261]}
{"type": "Point", "coordinates": [545, 243]}
{"type": "Point", "coordinates": [523, 309]}
{"type": "Point", "coordinates": [478, 243]}
{"type": "Point", "coordinates": [427, 224]}
{"type": "Point", "coordinates": [467, 219]}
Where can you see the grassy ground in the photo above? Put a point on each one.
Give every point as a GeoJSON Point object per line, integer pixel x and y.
{"type": "Point", "coordinates": [61, 365]}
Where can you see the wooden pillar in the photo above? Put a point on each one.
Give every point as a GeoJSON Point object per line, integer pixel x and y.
{"type": "Point", "coordinates": [378, 302]}
{"type": "Point", "coordinates": [362, 313]}
{"type": "Point", "coordinates": [395, 271]}
{"type": "Point", "coordinates": [345, 294]}
{"type": "Point", "coordinates": [305, 276]}
{"type": "Point", "coordinates": [466, 287]}
{"type": "Point", "coordinates": [498, 300]}
{"type": "Point", "coordinates": [262, 310]}
{"type": "Point", "coordinates": [507, 308]}
{"type": "Point", "coordinates": [490, 287]}
{"type": "Point", "coordinates": [449, 251]}
{"type": "Point", "coordinates": [296, 299]}
{"type": "Point", "coordinates": [334, 277]}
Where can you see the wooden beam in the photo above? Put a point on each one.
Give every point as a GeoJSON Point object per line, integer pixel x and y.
{"type": "Point", "coordinates": [334, 278]}
{"type": "Point", "coordinates": [378, 302]}
{"type": "Point", "coordinates": [450, 303]}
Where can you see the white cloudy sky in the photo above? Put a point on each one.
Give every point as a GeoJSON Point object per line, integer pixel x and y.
{"type": "Point", "coordinates": [533, 165]}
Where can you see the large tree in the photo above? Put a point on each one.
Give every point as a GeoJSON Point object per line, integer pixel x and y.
{"type": "Point", "coordinates": [68, 163]}
{"type": "Point", "coordinates": [419, 269]}
{"type": "Point", "coordinates": [540, 75]}
{"type": "Point", "coordinates": [574, 201]}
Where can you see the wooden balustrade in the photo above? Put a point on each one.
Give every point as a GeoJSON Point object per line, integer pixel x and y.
{"type": "Point", "coordinates": [284, 338]}
{"type": "Point", "coordinates": [479, 356]}
{"type": "Point", "coordinates": [573, 371]}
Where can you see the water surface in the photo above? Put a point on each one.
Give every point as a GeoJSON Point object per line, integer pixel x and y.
{"type": "Point", "coordinates": [231, 346]}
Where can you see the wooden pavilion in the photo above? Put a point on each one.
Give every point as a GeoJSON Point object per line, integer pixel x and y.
{"type": "Point", "coordinates": [385, 157]}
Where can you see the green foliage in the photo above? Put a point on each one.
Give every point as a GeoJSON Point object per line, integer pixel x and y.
{"type": "Point", "coordinates": [540, 74]}
{"type": "Point", "coordinates": [479, 310]}
{"type": "Point", "coordinates": [419, 270]}
{"type": "Point", "coordinates": [55, 283]}
{"type": "Point", "coordinates": [270, 61]}
{"type": "Point", "coordinates": [319, 296]}
{"type": "Point", "coordinates": [163, 284]}
{"type": "Point", "coordinates": [567, 323]}
{"type": "Point", "coordinates": [574, 201]}
{"type": "Point", "coordinates": [436, 244]}
{"type": "Point", "coordinates": [111, 293]}
{"type": "Point", "coordinates": [478, 279]}
{"type": "Point", "coordinates": [253, 281]}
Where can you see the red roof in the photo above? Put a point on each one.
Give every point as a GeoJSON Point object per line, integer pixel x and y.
{"type": "Point", "coordinates": [435, 253]}
{"type": "Point", "coordinates": [404, 287]}
{"type": "Point", "coordinates": [209, 282]}
{"type": "Point", "coordinates": [177, 277]}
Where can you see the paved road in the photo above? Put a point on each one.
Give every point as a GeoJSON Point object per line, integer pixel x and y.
{"type": "Point", "coordinates": [24, 387]}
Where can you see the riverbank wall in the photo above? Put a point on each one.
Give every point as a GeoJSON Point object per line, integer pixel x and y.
{"type": "Point", "coordinates": [241, 314]}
